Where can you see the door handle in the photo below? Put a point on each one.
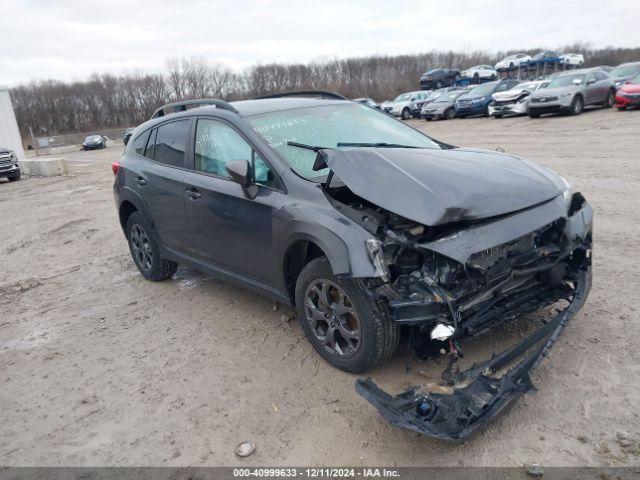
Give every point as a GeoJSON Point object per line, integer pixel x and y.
{"type": "Point", "coordinates": [193, 194]}
{"type": "Point", "coordinates": [141, 181]}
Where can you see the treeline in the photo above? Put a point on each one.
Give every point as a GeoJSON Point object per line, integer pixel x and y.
{"type": "Point", "coordinates": [104, 101]}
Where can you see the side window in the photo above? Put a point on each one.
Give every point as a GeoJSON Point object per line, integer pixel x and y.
{"type": "Point", "coordinates": [170, 142]}
{"type": "Point", "coordinates": [218, 144]}
{"type": "Point", "coordinates": [140, 142]}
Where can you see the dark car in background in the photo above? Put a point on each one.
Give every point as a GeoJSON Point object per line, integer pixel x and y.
{"type": "Point", "coordinates": [126, 135]}
{"type": "Point", "coordinates": [624, 72]}
{"type": "Point", "coordinates": [438, 78]}
{"type": "Point", "coordinates": [443, 107]}
{"type": "Point", "coordinates": [369, 229]}
{"type": "Point", "coordinates": [94, 142]}
{"type": "Point", "coordinates": [546, 56]}
{"type": "Point", "coordinates": [477, 100]}
{"type": "Point", "coordinates": [9, 165]}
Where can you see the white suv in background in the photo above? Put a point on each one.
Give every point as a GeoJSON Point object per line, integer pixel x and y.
{"type": "Point", "coordinates": [480, 72]}
{"type": "Point", "coordinates": [401, 105]}
{"type": "Point", "coordinates": [576, 59]}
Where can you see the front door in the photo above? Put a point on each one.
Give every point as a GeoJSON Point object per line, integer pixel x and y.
{"type": "Point", "coordinates": [227, 228]}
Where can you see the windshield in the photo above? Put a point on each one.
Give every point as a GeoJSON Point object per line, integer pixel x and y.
{"type": "Point", "coordinates": [526, 86]}
{"type": "Point", "coordinates": [625, 70]}
{"type": "Point", "coordinates": [328, 125]}
{"type": "Point", "coordinates": [483, 90]}
{"type": "Point", "coordinates": [564, 80]}
{"type": "Point", "coordinates": [403, 97]}
{"type": "Point", "coordinates": [450, 96]}
{"type": "Point", "coordinates": [93, 137]}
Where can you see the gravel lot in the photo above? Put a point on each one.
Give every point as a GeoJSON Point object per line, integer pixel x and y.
{"type": "Point", "coordinates": [99, 367]}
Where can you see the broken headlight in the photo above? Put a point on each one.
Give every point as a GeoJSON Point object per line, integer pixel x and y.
{"type": "Point", "coordinates": [376, 254]}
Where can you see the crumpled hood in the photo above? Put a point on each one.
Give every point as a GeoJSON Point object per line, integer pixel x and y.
{"type": "Point", "coordinates": [435, 187]}
{"type": "Point", "coordinates": [508, 95]}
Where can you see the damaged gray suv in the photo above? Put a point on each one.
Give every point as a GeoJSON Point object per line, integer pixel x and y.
{"type": "Point", "coordinates": [373, 231]}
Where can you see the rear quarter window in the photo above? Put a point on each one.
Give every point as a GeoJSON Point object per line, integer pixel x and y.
{"type": "Point", "coordinates": [141, 142]}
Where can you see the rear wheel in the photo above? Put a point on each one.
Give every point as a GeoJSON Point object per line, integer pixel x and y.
{"type": "Point", "coordinates": [476, 78]}
{"type": "Point", "coordinates": [449, 114]}
{"type": "Point", "coordinates": [144, 250]}
{"type": "Point", "coordinates": [344, 326]}
{"type": "Point", "coordinates": [534, 114]}
{"type": "Point", "coordinates": [497, 115]}
{"type": "Point", "coordinates": [610, 100]}
{"type": "Point", "coordinates": [622, 108]}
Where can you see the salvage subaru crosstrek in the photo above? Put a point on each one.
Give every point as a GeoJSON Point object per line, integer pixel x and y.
{"type": "Point", "coordinates": [372, 230]}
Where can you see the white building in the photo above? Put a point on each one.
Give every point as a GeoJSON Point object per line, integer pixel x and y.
{"type": "Point", "coordinates": [9, 133]}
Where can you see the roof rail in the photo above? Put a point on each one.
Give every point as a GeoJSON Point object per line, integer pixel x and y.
{"type": "Point", "coordinates": [182, 106]}
{"type": "Point", "coordinates": [305, 93]}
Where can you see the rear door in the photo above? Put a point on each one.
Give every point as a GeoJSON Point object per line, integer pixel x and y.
{"type": "Point", "coordinates": [227, 228]}
{"type": "Point", "coordinates": [160, 181]}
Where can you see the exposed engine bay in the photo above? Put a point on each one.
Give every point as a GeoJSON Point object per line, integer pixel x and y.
{"type": "Point", "coordinates": [449, 282]}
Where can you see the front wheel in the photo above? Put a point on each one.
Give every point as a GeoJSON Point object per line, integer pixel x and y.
{"type": "Point", "coordinates": [15, 178]}
{"type": "Point", "coordinates": [623, 108]}
{"type": "Point", "coordinates": [344, 326]}
{"type": "Point", "coordinates": [406, 113]}
{"type": "Point", "coordinates": [577, 105]}
{"type": "Point", "coordinates": [534, 115]}
{"type": "Point", "coordinates": [144, 250]}
{"type": "Point", "coordinates": [449, 114]}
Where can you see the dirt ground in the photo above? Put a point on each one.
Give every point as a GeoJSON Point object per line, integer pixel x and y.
{"type": "Point", "coordinates": [99, 367]}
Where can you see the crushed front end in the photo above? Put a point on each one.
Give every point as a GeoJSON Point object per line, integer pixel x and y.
{"type": "Point", "coordinates": [457, 281]}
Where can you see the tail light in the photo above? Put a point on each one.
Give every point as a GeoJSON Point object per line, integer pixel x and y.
{"type": "Point", "coordinates": [115, 166]}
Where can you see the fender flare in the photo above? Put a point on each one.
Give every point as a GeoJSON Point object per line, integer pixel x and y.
{"type": "Point", "coordinates": [333, 247]}
{"type": "Point", "coordinates": [128, 195]}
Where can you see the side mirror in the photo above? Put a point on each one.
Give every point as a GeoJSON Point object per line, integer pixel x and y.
{"type": "Point", "coordinates": [591, 82]}
{"type": "Point", "coordinates": [577, 81]}
{"type": "Point", "coordinates": [240, 172]}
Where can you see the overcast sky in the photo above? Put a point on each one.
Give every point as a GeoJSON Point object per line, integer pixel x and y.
{"type": "Point", "coordinates": [70, 39]}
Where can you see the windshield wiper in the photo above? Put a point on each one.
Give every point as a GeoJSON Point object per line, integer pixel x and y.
{"type": "Point", "coordinates": [375, 145]}
{"type": "Point", "coordinates": [306, 147]}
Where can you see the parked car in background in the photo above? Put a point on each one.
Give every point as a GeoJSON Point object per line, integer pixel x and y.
{"type": "Point", "coordinates": [438, 78]}
{"type": "Point", "coordinates": [417, 103]}
{"type": "Point", "coordinates": [574, 59]}
{"type": "Point", "coordinates": [570, 92]}
{"type": "Point", "coordinates": [372, 232]}
{"type": "Point", "coordinates": [442, 108]}
{"type": "Point", "coordinates": [546, 56]}
{"type": "Point", "coordinates": [513, 61]}
{"type": "Point", "coordinates": [624, 72]}
{"type": "Point", "coordinates": [480, 72]}
{"type": "Point", "coordinates": [476, 101]}
{"type": "Point", "coordinates": [628, 95]}
{"type": "Point", "coordinates": [401, 105]}
{"type": "Point", "coordinates": [9, 165]}
{"type": "Point", "coordinates": [127, 135]}
{"type": "Point", "coordinates": [94, 142]}
{"type": "Point", "coordinates": [515, 100]}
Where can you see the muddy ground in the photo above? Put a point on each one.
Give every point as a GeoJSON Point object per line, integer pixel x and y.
{"type": "Point", "coordinates": [99, 367]}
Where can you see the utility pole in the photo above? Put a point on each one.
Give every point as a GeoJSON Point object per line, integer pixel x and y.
{"type": "Point", "coordinates": [33, 140]}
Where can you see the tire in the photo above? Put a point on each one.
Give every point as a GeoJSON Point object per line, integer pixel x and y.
{"type": "Point", "coordinates": [438, 84]}
{"type": "Point", "coordinates": [462, 116]}
{"type": "Point", "coordinates": [476, 78]}
{"type": "Point", "coordinates": [497, 115]}
{"type": "Point", "coordinates": [144, 250]}
{"type": "Point", "coordinates": [15, 178]}
{"type": "Point", "coordinates": [378, 335]}
{"type": "Point", "coordinates": [406, 113]}
{"type": "Point", "coordinates": [610, 100]}
{"type": "Point", "coordinates": [577, 106]}
{"type": "Point", "coordinates": [622, 109]}
{"type": "Point", "coordinates": [511, 66]}
{"type": "Point", "coordinates": [449, 114]}
{"type": "Point", "coordinates": [493, 76]}
{"type": "Point", "coordinates": [534, 115]}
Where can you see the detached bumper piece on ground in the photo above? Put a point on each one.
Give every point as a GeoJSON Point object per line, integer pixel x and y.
{"type": "Point", "coordinates": [478, 395]}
